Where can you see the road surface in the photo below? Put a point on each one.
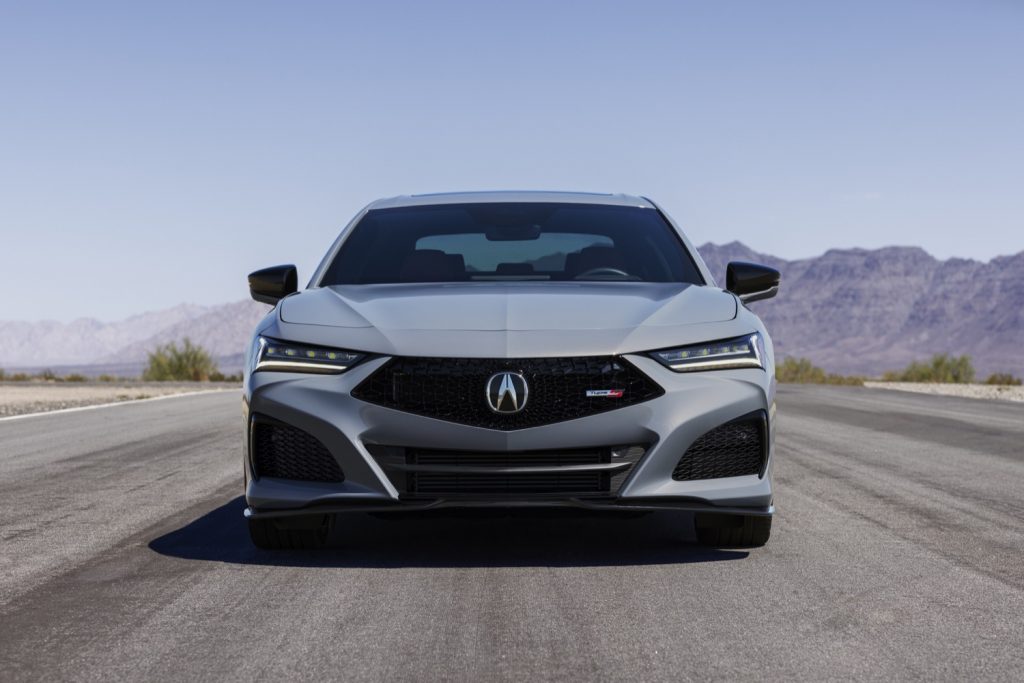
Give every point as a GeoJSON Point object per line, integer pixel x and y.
{"type": "Point", "coordinates": [898, 552]}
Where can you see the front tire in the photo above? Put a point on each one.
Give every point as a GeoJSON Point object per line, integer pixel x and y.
{"type": "Point", "coordinates": [296, 533]}
{"type": "Point", "coordinates": [732, 531]}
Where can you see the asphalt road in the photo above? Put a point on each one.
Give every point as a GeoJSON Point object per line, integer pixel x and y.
{"type": "Point", "coordinates": [898, 552]}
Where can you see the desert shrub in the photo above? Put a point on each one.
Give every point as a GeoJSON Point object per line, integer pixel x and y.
{"type": "Point", "coordinates": [1004, 379]}
{"type": "Point", "coordinates": [802, 371]}
{"type": "Point", "coordinates": [74, 377]}
{"type": "Point", "coordinates": [799, 371]}
{"type": "Point", "coordinates": [18, 377]}
{"type": "Point", "coordinates": [942, 368]}
{"type": "Point", "coordinates": [221, 377]}
{"type": "Point", "coordinates": [189, 363]}
{"type": "Point", "coordinates": [48, 375]}
{"type": "Point", "coordinates": [107, 378]}
{"type": "Point", "coordinates": [2, 374]}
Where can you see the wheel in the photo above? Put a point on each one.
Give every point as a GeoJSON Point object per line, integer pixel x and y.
{"type": "Point", "coordinates": [733, 531]}
{"type": "Point", "coordinates": [291, 533]}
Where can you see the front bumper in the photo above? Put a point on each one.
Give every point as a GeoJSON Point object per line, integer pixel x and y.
{"type": "Point", "coordinates": [693, 404]}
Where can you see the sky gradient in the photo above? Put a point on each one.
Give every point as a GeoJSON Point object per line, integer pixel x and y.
{"type": "Point", "coordinates": [152, 154]}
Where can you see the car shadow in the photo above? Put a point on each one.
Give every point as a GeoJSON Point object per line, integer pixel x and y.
{"type": "Point", "coordinates": [513, 538]}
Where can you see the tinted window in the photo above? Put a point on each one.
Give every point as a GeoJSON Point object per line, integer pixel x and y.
{"type": "Point", "coordinates": [511, 241]}
{"type": "Point", "coordinates": [546, 253]}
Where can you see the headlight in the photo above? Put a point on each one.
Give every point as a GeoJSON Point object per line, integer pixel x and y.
{"type": "Point", "coordinates": [742, 352]}
{"type": "Point", "coordinates": [272, 354]}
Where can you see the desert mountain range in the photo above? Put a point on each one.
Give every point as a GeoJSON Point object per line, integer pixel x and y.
{"type": "Point", "coordinates": [866, 311]}
{"type": "Point", "coordinates": [849, 310]}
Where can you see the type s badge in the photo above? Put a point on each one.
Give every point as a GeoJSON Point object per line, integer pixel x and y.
{"type": "Point", "coordinates": [605, 393]}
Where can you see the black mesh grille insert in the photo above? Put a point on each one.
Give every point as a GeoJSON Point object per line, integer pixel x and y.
{"type": "Point", "coordinates": [285, 452]}
{"type": "Point", "coordinates": [461, 484]}
{"type": "Point", "coordinates": [454, 389]}
{"type": "Point", "coordinates": [734, 449]}
{"type": "Point", "coordinates": [433, 483]}
{"type": "Point", "coordinates": [424, 473]}
{"type": "Point", "coordinates": [596, 456]}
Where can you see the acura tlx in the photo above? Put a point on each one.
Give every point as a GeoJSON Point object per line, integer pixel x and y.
{"type": "Point", "coordinates": [510, 349]}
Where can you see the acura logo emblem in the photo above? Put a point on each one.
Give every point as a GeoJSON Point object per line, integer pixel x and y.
{"type": "Point", "coordinates": [507, 392]}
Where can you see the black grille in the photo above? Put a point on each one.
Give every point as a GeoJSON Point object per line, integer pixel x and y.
{"type": "Point", "coordinates": [734, 449]}
{"type": "Point", "coordinates": [417, 472]}
{"type": "Point", "coordinates": [462, 484]}
{"type": "Point", "coordinates": [454, 389]}
{"type": "Point", "coordinates": [437, 483]}
{"type": "Point", "coordinates": [285, 452]}
{"type": "Point", "coordinates": [511, 459]}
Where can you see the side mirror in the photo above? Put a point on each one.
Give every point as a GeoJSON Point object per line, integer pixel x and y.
{"type": "Point", "coordinates": [751, 282]}
{"type": "Point", "coordinates": [270, 285]}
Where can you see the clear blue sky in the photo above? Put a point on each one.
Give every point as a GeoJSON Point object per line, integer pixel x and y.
{"type": "Point", "coordinates": [154, 153]}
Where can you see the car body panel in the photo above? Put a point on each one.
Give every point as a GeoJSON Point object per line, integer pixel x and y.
{"type": "Point", "coordinates": [511, 306]}
{"type": "Point", "coordinates": [323, 406]}
{"type": "Point", "coordinates": [506, 196]}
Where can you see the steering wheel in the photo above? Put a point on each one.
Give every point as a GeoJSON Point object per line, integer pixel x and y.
{"type": "Point", "coordinates": [603, 270]}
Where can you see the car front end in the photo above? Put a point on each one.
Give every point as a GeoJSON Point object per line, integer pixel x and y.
{"type": "Point", "coordinates": [604, 393]}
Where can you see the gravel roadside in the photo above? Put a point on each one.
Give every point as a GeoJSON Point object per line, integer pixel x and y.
{"type": "Point", "coordinates": [987, 391]}
{"type": "Point", "coordinates": [21, 398]}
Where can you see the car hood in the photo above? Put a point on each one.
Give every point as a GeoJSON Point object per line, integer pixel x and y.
{"type": "Point", "coordinates": [526, 306]}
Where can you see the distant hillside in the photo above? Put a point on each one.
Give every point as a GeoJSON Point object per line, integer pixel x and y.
{"type": "Point", "coordinates": [866, 311]}
{"type": "Point", "coordinates": [120, 347]}
{"type": "Point", "coordinates": [222, 330]}
{"type": "Point", "coordinates": [848, 310]}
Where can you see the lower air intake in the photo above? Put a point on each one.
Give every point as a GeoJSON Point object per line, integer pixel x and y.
{"type": "Point", "coordinates": [735, 449]}
{"type": "Point", "coordinates": [509, 484]}
{"type": "Point", "coordinates": [428, 473]}
{"type": "Point", "coordinates": [286, 452]}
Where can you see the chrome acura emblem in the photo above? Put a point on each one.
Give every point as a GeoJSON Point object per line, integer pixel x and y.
{"type": "Point", "coordinates": [507, 392]}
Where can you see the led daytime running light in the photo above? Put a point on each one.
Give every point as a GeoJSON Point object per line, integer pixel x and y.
{"type": "Point", "coordinates": [281, 356]}
{"type": "Point", "coordinates": [742, 352]}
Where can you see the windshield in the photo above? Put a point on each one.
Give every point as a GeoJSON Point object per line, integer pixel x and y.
{"type": "Point", "coordinates": [511, 241]}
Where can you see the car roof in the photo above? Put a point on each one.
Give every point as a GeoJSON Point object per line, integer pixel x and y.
{"type": "Point", "coordinates": [510, 196]}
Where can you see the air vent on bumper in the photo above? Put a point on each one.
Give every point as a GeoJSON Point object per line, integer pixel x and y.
{"type": "Point", "coordinates": [734, 449]}
{"type": "Point", "coordinates": [424, 473]}
{"type": "Point", "coordinates": [285, 452]}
